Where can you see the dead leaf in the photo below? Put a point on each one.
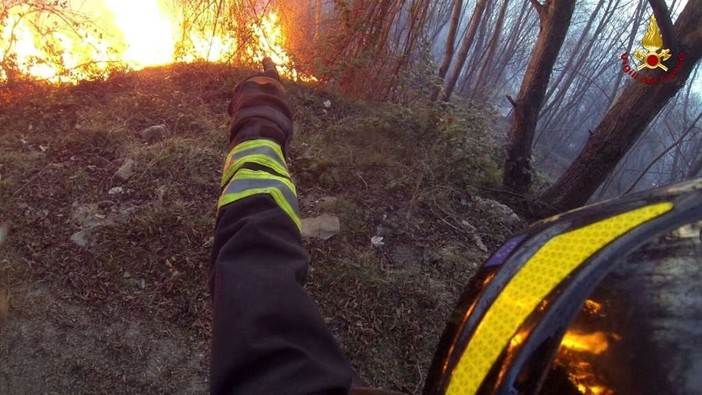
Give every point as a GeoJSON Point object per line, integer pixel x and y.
{"type": "Point", "coordinates": [377, 241]}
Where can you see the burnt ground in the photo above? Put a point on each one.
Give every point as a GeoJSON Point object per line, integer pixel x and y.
{"type": "Point", "coordinates": [103, 281]}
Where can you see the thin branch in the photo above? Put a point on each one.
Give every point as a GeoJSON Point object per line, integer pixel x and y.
{"type": "Point", "coordinates": [665, 151]}
{"type": "Point", "coordinates": [538, 6]}
{"type": "Point", "coordinates": [512, 101]}
{"type": "Point", "coordinates": [665, 24]}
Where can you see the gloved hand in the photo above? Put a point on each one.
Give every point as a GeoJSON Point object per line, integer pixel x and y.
{"type": "Point", "coordinates": [260, 109]}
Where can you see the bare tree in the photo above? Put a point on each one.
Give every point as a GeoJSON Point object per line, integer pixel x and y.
{"type": "Point", "coordinates": [465, 48]}
{"type": "Point", "coordinates": [635, 23]}
{"type": "Point", "coordinates": [675, 144]}
{"type": "Point", "coordinates": [492, 48]}
{"type": "Point", "coordinates": [515, 39]}
{"type": "Point", "coordinates": [450, 46]}
{"type": "Point", "coordinates": [555, 19]}
{"type": "Point", "coordinates": [632, 111]}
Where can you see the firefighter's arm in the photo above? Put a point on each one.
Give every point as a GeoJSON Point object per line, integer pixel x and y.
{"type": "Point", "coordinates": [268, 335]}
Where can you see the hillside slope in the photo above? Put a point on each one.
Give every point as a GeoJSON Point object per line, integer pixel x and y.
{"type": "Point", "coordinates": [105, 277]}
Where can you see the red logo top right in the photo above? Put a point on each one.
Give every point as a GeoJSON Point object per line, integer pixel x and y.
{"type": "Point", "coordinates": [652, 56]}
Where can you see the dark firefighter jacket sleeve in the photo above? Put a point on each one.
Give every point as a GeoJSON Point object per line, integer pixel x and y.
{"type": "Point", "coordinates": [268, 335]}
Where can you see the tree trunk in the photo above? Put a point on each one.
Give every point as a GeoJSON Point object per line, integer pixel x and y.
{"type": "Point", "coordinates": [478, 53]}
{"type": "Point", "coordinates": [492, 48]}
{"type": "Point", "coordinates": [629, 116]}
{"type": "Point", "coordinates": [636, 22]}
{"type": "Point", "coordinates": [555, 19]}
{"type": "Point", "coordinates": [465, 48]}
{"type": "Point", "coordinates": [580, 56]}
{"type": "Point", "coordinates": [450, 47]}
{"type": "Point", "coordinates": [317, 20]}
{"type": "Point", "coordinates": [577, 50]}
{"type": "Point", "coordinates": [508, 49]}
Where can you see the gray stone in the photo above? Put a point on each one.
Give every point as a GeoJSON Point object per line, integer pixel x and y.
{"type": "Point", "coordinates": [154, 133]}
{"type": "Point", "coordinates": [498, 208]}
{"type": "Point", "coordinates": [84, 214]}
{"type": "Point", "coordinates": [126, 171]}
{"type": "Point", "coordinates": [323, 227]}
{"type": "Point", "coordinates": [83, 238]}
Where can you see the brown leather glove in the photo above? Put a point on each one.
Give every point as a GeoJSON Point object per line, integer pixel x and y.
{"type": "Point", "coordinates": [260, 109]}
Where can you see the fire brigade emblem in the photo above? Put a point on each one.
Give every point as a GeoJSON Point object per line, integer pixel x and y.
{"type": "Point", "coordinates": [652, 56]}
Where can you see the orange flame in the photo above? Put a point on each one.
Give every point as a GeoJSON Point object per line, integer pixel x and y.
{"type": "Point", "coordinates": [594, 343]}
{"type": "Point", "coordinates": [592, 307]}
{"type": "Point", "coordinates": [575, 347]}
{"type": "Point", "coordinates": [131, 34]}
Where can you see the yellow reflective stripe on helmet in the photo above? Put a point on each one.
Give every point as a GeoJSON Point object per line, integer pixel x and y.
{"type": "Point", "coordinates": [253, 182]}
{"type": "Point", "coordinates": [554, 261]}
{"type": "Point", "coordinates": [262, 152]}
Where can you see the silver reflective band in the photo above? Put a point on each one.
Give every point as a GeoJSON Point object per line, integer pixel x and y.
{"type": "Point", "coordinates": [262, 151]}
{"type": "Point", "coordinates": [251, 182]}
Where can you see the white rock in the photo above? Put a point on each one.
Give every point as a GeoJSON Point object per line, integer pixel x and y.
{"type": "Point", "coordinates": [327, 103]}
{"type": "Point", "coordinates": [116, 191]}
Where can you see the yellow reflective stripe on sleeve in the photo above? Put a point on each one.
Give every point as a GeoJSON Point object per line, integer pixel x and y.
{"type": "Point", "coordinates": [262, 152]}
{"type": "Point", "coordinates": [258, 159]}
{"type": "Point", "coordinates": [253, 182]}
{"type": "Point", "coordinates": [554, 261]}
{"type": "Point", "coordinates": [246, 145]}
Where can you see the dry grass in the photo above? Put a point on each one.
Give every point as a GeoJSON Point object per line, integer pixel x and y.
{"type": "Point", "coordinates": [405, 174]}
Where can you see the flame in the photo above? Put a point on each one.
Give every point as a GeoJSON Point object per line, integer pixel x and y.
{"type": "Point", "coordinates": [582, 375]}
{"type": "Point", "coordinates": [593, 343]}
{"type": "Point", "coordinates": [593, 389]}
{"type": "Point", "coordinates": [48, 58]}
{"type": "Point", "coordinates": [271, 42]}
{"type": "Point", "coordinates": [131, 34]}
{"type": "Point", "coordinates": [593, 307]}
{"type": "Point", "coordinates": [149, 33]}
{"type": "Point", "coordinates": [574, 350]}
